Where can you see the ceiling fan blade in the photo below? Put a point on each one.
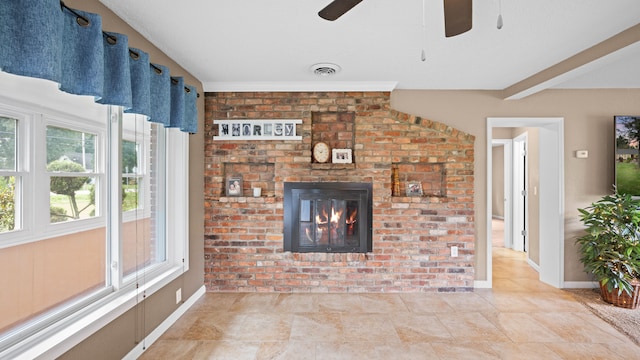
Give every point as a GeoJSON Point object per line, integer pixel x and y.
{"type": "Point", "coordinates": [457, 17]}
{"type": "Point", "coordinates": [337, 8]}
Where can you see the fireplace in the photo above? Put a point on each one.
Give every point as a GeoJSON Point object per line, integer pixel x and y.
{"type": "Point", "coordinates": [327, 217]}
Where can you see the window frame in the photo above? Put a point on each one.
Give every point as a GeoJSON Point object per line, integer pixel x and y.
{"type": "Point", "coordinates": [21, 170]}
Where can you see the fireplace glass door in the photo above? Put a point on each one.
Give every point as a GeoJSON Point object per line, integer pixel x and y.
{"type": "Point", "coordinates": [325, 219]}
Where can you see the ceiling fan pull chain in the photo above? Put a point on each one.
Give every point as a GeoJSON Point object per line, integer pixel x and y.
{"type": "Point", "coordinates": [499, 25]}
{"type": "Point", "coordinates": [423, 55]}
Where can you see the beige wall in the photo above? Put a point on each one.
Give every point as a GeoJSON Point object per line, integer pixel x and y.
{"type": "Point", "coordinates": [118, 338]}
{"type": "Point", "coordinates": [588, 116]}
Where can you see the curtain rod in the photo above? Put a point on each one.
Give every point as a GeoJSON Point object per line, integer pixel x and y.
{"type": "Point", "coordinates": [112, 40]}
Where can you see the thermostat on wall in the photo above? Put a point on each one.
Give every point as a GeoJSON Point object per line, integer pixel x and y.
{"type": "Point", "coordinates": [582, 154]}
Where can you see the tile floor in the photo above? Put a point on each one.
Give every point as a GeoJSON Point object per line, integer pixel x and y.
{"type": "Point", "coordinates": [520, 318]}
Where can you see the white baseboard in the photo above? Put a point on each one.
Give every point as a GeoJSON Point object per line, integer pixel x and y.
{"type": "Point", "coordinates": [580, 284]}
{"type": "Point", "coordinates": [165, 325]}
{"type": "Point", "coordinates": [535, 266]}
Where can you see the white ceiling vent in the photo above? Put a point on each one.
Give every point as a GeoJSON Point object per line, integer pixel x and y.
{"type": "Point", "coordinates": [325, 69]}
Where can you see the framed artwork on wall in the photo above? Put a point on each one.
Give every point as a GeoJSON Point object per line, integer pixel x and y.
{"type": "Point", "coordinates": [255, 129]}
{"type": "Point", "coordinates": [414, 188]}
{"type": "Point", "coordinates": [234, 186]}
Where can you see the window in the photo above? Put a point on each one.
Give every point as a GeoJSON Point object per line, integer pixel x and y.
{"type": "Point", "coordinates": [85, 191]}
{"type": "Point", "coordinates": [8, 173]}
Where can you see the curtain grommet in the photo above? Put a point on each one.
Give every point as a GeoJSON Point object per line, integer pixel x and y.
{"type": "Point", "coordinates": [82, 21]}
{"type": "Point", "coordinates": [134, 55]}
{"type": "Point", "coordinates": [112, 40]}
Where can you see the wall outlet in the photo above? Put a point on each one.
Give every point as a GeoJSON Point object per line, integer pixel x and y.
{"type": "Point", "coordinates": [178, 296]}
{"type": "Point", "coordinates": [454, 251]}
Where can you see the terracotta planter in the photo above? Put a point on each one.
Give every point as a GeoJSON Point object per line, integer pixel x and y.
{"type": "Point", "coordinates": [623, 300]}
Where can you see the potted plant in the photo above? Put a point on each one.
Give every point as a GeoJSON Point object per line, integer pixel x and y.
{"type": "Point", "coordinates": [610, 248]}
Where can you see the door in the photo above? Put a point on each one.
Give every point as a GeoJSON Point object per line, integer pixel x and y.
{"type": "Point", "coordinates": [520, 193]}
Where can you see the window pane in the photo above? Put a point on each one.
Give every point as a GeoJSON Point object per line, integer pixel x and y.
{"type": "Point", "coordinates": [8, 130]}
{"type": "Point", "coordinates": [72, 198]}
{"type": "Point", "coordinates": [132, 193]}
{"type": "Point", "coordinates": [7, 203]}
{"type": "Point", "coordinates": [131, 184]}
{"type": "Point", "coordinates": [142, 174]}
{"type": "Point", "coordinates": [130, 164]}
{"type": "Point", "coordinates": [66, 145]}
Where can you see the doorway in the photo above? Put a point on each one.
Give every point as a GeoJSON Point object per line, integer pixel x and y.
{"type": "Point", "coordinates": [502, 184]}
{"type": "Point", "coordinates": [550, 218]}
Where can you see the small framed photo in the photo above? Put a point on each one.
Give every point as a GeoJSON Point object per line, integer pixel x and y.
{"type": "Point", "coordinates": [257, 130]}
{"type": "Point", "coordinates": [288, 129]}
{"type": "Point", "coordinates": [341, 156]}
{"type": "Point", "coordinates": [234, 186]}
{"type": "Point", "coordinates": [277, 129]}
{"type": "Point", "coordinates": [235, 129]}
{"type": "Point", "coordinates": [246, 129]}
{"type": "Point", "coordinates": [414, 188]}
{"type": "Point", "coordinates": [268, 129]}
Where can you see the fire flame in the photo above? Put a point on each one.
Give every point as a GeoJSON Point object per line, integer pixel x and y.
{"type": "Point", "coordinates": [352, 217]}
{"type": "Point", "coordinates": [322, 220]}
{"type": "Point", "coordinates": [335, 216]}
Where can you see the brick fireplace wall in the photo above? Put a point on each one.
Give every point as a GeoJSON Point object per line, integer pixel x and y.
{"type": "Point", "coordinates": [412, 235]}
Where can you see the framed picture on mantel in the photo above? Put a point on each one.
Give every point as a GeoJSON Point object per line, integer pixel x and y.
{"type": "Point", "coordinates": [414, 188]}
{"type": "Point", "coordinates": [341, 156]}
{"type": "Point", "coordinates": [234, 186]}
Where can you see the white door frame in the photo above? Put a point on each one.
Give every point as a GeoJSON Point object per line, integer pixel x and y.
{"type": "Point", "coordinates": [551, 194]}
{"type": "Point", "coordinates": [507, 145]}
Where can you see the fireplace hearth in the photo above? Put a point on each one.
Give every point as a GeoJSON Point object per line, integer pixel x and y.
{"type": "Point", "coordinates": [327, 217]}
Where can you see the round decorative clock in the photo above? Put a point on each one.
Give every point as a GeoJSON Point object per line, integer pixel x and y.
{"type": "Point", "coordinates": [321, 152]}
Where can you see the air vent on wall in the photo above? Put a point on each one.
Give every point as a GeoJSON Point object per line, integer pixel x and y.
{"type": "Point", "coordinates": [325, 69]}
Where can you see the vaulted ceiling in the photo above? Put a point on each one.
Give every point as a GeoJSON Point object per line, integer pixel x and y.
{"type": "Point", "coordinates": [258, 45]}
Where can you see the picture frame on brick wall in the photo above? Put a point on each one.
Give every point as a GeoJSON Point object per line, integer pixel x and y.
{"type": "Point", "coordinates": [257, 129]}
{"type": "Point", "coordinates": [234, 186]}
{"type": "Point", "coordinates": [341, 156]}
{"type": "Point", "coordinates": [414, 188]}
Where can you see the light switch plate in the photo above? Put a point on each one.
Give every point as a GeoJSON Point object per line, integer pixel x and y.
{"type": "Point", "coordinates": [582, 154]}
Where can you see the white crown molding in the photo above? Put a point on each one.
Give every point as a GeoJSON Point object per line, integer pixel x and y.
{"type": "Point", "coordinates": [299, 86]}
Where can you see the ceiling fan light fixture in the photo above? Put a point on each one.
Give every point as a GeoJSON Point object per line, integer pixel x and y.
{"type": "Point", "coordinates": [325, 69]}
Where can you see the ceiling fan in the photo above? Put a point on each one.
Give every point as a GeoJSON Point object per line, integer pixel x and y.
{"type": "Point", "coordinates": [457, 14]}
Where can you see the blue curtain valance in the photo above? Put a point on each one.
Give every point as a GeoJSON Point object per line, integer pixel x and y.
{"type": "Point", "coordinates": [46, 39]}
